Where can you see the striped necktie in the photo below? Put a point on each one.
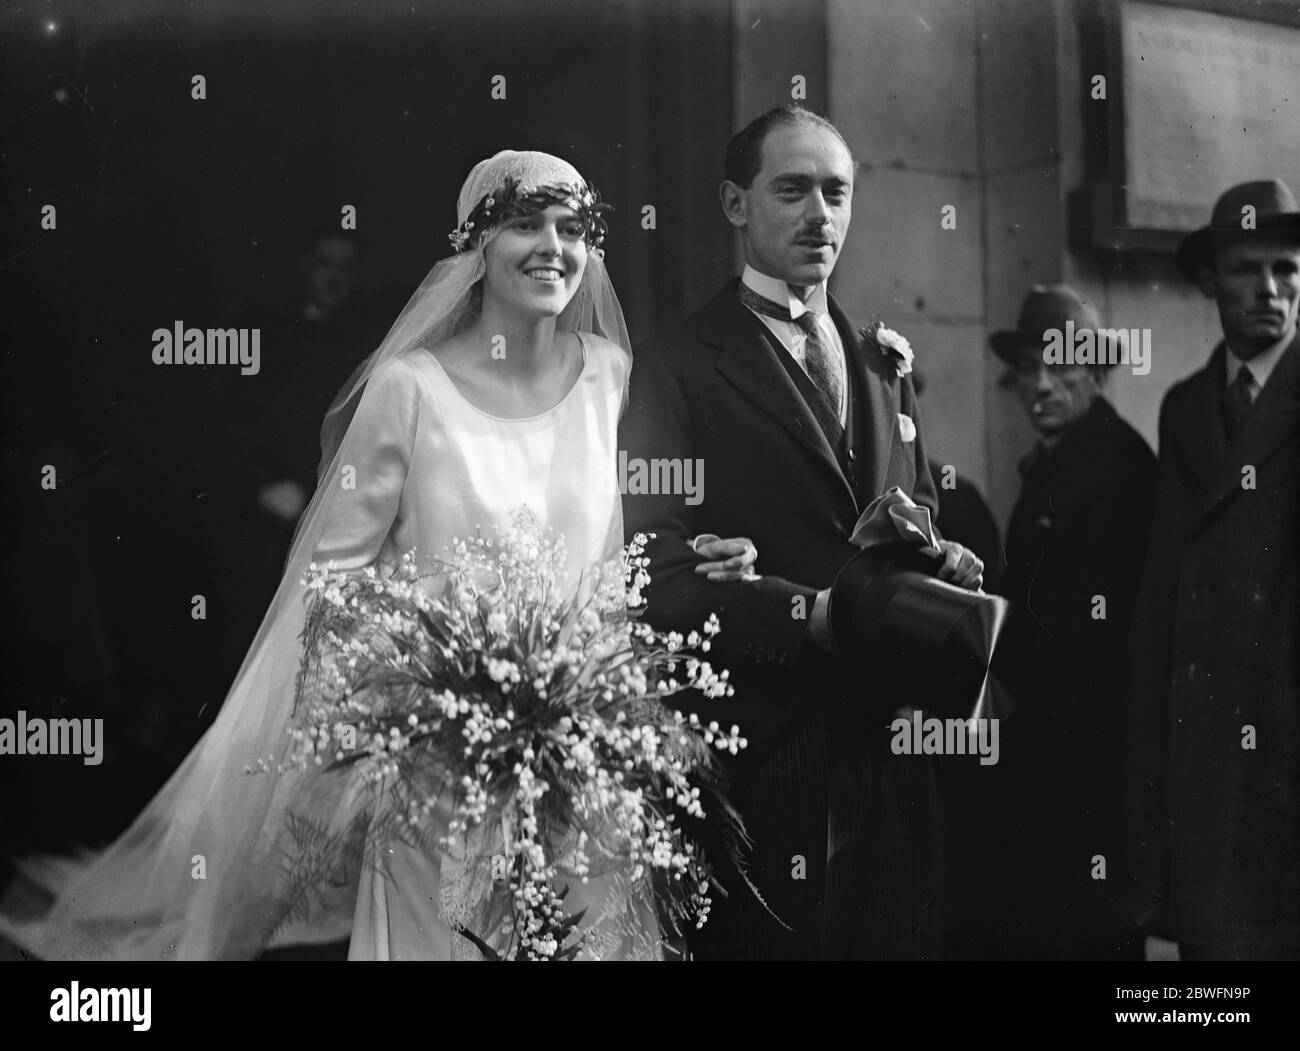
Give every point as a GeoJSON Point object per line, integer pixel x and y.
{"type": "Point", "coordinates": [824, 366]}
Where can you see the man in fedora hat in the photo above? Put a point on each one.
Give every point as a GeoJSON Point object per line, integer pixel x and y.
{"type": "Point", "coordinates": [1214, 700]}
{"type": "Point", "coordinates": [1024, 882]}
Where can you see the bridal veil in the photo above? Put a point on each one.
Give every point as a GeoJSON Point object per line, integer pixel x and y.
{"type": "Point", "coordinates": [198, 874]}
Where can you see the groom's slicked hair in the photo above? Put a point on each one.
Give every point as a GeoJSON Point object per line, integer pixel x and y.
{"type": "Point", "coordinates": [744, 157]}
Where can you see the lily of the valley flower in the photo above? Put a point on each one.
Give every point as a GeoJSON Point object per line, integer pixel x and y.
{"type": "Point", "coordinates": [544, 710]}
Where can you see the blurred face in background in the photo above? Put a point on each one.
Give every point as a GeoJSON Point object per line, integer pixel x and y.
{"type": "Point", "coordinates": [795, 215]}
{"type": "Point", "coordinates": [1256, 285]}
{"type": "Point", "coordinates": [331, 272]}
{"type": "Point", "coordinates": [1056, 397]}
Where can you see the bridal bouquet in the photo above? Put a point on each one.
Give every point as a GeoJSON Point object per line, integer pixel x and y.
{"type": "Point", "coordinates": [491, 714]}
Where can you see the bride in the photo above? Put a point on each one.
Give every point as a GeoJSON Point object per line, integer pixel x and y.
{"type": "Point", "coordinates": [499, 387]}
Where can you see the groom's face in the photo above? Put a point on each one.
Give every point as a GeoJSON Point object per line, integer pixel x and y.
{"type": "Point", "coordinates": [795, 215]}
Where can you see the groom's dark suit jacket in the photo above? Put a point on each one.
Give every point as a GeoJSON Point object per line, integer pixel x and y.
{"type": "Point", "coordinates": [846, 834]}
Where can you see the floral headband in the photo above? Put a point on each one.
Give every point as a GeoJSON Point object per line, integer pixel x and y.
{"type": "Point", "coordinates": [508, 202]}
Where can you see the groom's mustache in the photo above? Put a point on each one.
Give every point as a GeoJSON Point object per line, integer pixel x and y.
{"type": "Point", "coordinates": [817, 235]}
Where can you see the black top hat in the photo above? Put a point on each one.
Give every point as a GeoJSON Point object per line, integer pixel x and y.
{"type": "Point", "coordinates": [1046, 307]}
{"type": "Point", "coordinates": [914, 638]}
{"type": "Point", "coordinates": [1274, 213]}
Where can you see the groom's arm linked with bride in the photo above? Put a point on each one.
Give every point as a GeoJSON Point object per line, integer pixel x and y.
{"type": "Point", "coordinates": [847, 837]}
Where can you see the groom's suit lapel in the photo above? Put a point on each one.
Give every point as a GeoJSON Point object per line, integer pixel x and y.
{"type": "Point", "coordinates": [880, 400]}
{"type": "Point", "coordinates": [749, 363]}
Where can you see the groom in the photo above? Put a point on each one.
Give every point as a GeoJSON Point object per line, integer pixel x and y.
{"type": "Point", "coordinates": [801, 423]}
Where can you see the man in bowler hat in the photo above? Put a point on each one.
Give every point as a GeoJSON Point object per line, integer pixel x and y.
{"type": "Point", "coordinates": [1025, 875]}
{"type": "Point", "coordinates": [1215, 701]}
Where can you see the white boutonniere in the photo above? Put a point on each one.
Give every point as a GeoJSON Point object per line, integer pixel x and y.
{"type": "Point", "coordinates": [894, 347]}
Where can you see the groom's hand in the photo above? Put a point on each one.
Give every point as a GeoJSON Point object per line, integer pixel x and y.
{"type": "Point", "coordinates": [733, 559]}
{"type": "Point", "coordinates": [960, 565]}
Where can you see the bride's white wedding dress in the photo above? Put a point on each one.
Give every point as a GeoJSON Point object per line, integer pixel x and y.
{"type": "Point", "coordinates": [422, 466]}
{"type": "Point", "coordinates": [432, 467]}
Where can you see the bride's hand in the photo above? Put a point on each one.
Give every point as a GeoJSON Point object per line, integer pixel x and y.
{"type": "Point", "coordinates": [731, 559]}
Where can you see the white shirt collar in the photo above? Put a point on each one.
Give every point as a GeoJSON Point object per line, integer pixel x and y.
{"type": "Point", "coordinates": [779, 292]}
{"type": "Point", "coordinates": [1261, 365]}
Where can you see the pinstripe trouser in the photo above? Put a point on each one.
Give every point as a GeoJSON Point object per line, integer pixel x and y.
{"type": "Point", "coordinates": [849, 851]}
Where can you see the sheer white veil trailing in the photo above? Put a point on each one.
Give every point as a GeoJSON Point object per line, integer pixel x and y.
{"type": "Point", "coordinates": [198, 873]}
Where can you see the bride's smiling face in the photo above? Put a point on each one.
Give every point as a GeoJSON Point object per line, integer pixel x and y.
{"type": "Point", "coordinates": [535, 262]}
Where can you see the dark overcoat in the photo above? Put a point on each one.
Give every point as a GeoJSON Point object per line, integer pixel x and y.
{"type": "Point", "coordinates": [1215, 703]}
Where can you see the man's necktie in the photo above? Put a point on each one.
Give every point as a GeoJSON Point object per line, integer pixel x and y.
{"type": "Point", "coordinates": [824, 366]}
{"type": "Point", "coordinates": [1237, 400]}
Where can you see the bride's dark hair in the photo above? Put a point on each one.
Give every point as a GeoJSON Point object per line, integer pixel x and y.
{"type": "Point", "coordinates": [508, 202]}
